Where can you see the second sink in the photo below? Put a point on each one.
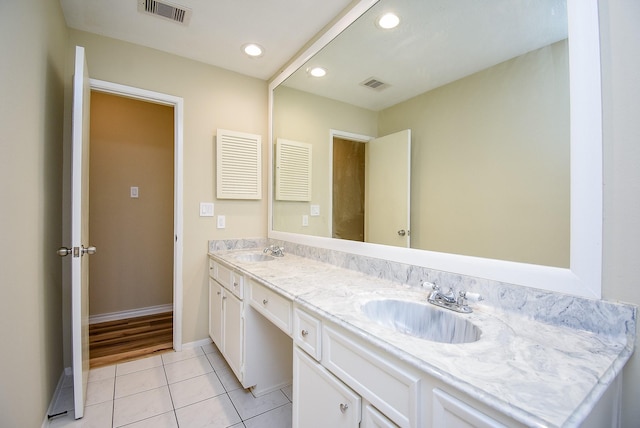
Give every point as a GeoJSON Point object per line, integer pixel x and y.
{"type": "Point", "coordinates": [422, 321]}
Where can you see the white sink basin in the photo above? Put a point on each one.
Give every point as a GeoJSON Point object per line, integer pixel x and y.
{"type": "Point", "coordinates": [253, 257]}
{"type": "Point", "coordinates": [422, 321]}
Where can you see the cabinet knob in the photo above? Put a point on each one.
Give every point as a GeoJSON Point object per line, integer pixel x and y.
{"type": "Point", "coordinates": [304, 333]}
{"type": "Point", "coordinates": [235, 284]}
{"type": "Point", "coordinates": [219, 293]}
{"type": "Point", "coordinates": [265, 301]}
{"type": "Point", "coordinates": [344, 407]}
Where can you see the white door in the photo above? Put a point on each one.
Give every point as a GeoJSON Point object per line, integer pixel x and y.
{"type": "Point", "coordinates": [80, 232]}
{"type": "Point", "coordinates": [233, 334]}
{"type": "Point", "coordinates": [387, 194]}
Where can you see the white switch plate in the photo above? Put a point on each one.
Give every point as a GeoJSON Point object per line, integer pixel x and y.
{"type": "Point", "coordinates": [305, 220]}
{"type": "Point", "coordinates": [134, 192]}
{"type": "Point", "coordinates": [315, 210]}
{"type": "Point", "coordinates": [221, 222]}
{"type": "Point", "coordinates": [206, 209]}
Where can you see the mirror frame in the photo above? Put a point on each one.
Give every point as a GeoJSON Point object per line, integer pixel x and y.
{"type": "Point", "coordinates": [584, 275]}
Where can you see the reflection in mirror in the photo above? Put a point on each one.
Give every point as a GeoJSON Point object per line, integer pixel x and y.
{"type": "Point", "coordinates": [485, 92]}
{"type": "Point", "coordinates": [490, 126]}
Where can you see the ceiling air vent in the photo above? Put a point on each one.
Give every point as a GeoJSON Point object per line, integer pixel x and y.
{"type": "Point", "coordinates": [163, 9]}
{"type": "Point", "coordinates": [374, 83]}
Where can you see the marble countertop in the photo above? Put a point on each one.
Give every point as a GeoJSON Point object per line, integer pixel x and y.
{"type": "Point", "coordinates": [537, 373]}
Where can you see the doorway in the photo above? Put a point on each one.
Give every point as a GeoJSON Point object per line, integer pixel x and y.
{"type": "Point", "coordinates": [371, 187]}
{"type": "Point", "coordinates": [131, 221]}
{"type": "Point", "coordinates": [348, 189]}
{"type": "Point", "coordinates": [136, 214]}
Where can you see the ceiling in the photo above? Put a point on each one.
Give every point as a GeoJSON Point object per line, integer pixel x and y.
{"type": "Point", "coordinates": [216, 31]}
{"type": "Point", "coordinates": [437, 42]}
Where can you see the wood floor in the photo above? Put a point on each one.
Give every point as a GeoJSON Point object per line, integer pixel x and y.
{"type": "Point", "coordinates": [123, 340]}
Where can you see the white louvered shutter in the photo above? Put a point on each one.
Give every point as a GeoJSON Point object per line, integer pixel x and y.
{"type": "Point", "coordinates": [293, 170]}
{"type": "Point", "coordinates": [239, 165]}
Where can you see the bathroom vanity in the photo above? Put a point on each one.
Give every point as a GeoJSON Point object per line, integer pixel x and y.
{"type": "Point", "coordinates": [350, 369]}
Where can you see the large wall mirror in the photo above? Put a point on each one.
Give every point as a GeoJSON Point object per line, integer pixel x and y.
{"type": "Point", "coordinates": [497, 169]}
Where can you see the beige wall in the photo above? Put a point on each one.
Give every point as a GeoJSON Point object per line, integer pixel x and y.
{"type": "Point", "coordinates": [213, 98]}
{"type": "Point", "coordinates": [132, 144]}
{"type": "Point", "coordinates": [490, 161]}
{"type": "Point", "coordinates": [620, 37]}
{"type": "Point", "coordinates": [33, 38]}
{"type": "Point", "coordinates": [308, 118]}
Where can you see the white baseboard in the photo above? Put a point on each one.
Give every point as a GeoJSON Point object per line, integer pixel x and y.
{"type": "Point", "coordinates": [114, 316]}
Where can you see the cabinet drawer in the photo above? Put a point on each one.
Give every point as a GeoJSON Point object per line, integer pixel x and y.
{"type": "Point", "coordinates": [230, 280]}
{"type": "Point", "coordinates": [213, 269]}
{"type": "Point", "coordinates": [306, 333]}
{"type": "Point", "coordinates": [392, 390]}
{"type": "Point", "coordinates": [273, 306]}
{"type": "Point", "coordinates": [450, 412]}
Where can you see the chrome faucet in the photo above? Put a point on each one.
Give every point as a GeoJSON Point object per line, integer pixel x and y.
{"type": "Point", "coordinates": [275, 251]}
{"type": "Point", "coordinates": [448, 300]}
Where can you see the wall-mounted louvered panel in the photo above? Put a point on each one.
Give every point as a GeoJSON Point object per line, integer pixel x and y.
{"type": "Point", "coordinates": [293, 171]}
{"type": "Point", "coordinates": [239, 165]}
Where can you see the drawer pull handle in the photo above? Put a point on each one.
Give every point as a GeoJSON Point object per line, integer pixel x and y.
{"type": "Point", "coordinates": [344, 407]}
{"type": "Point", "coordinates": [304, 333]}
{"type": "Point", "coordinates": [224, 297]}
{"type": "Point", "coordinates": [265, 301]}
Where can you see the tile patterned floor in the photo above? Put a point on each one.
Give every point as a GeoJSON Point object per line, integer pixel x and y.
{"type": "Point", "coordinates": [188, 389]}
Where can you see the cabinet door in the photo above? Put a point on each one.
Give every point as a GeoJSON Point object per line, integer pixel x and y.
{"type": "Point", "coordinates": [215, 313]}
{"type": "Point", "coordinates": [233, 332]}
{"type": "Point", "coordinates": [319, 399]}
{"type": "Point", "coordinates": [372, 418]}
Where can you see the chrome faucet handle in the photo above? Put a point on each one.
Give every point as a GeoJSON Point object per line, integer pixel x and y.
{"type": "Point", "coordinates": [465, 296]}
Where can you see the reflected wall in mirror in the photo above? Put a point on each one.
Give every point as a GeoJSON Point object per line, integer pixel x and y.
{"type": "Point", "coordinates": [490, 146]}
{"type": "Point", "coordinates": [500, 163]}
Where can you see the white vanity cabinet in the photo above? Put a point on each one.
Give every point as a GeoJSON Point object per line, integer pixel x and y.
{"type": "Point", "coordinates": [257, 351]}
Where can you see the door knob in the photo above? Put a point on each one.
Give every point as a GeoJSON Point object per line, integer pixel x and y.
{"type": "Point", "coordinates": [64, 251]}
{"type": "Point", "coordinates": [88, 250]}
{"type": "Point", "coordinates": [402, 232]}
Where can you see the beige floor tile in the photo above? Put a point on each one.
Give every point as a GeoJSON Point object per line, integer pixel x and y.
{"type": "Point", "coordinates": [217, 412]}
{"type": "Point", "coordinates": [136, 382]}
{"type": "Point", "coordinates": [196, 389]}
{"type": "Point", "coordinates": [249, 406]}
{"type": "Point", "coordinates": [137, 407]}
{"type": "Point", "coordinates": [186, 369]}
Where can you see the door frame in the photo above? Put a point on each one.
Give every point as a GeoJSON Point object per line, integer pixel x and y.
{"type": "Point", "coordinates": [333, 133]}
{"type": "Point", "coordinates": [178, 114]}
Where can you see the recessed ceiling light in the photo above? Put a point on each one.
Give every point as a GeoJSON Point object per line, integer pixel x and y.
{"type": "Point", "coordinates": [388, 21]}
{"type": "Point", "coordinates": [317, 71]}
{"type": "Point", "coordinates": [253, 50]}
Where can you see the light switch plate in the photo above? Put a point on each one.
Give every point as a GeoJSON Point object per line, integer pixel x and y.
{"type": "Point", "coordinates": [134, 192]}
{"type": "Point", "coordinates": [206, 209]}
{"type": "Point", "coordinates": [315, 210]}
{"type": "Point", "coordinates": [221, 222]}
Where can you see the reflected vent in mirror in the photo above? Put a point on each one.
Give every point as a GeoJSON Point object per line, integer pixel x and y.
{"type": "Point", "coordinates": [165, 10]}
{"type": "Point", "coordinates": [373, 83]}
{"type": "Point", "coordinates": [293, 170]}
